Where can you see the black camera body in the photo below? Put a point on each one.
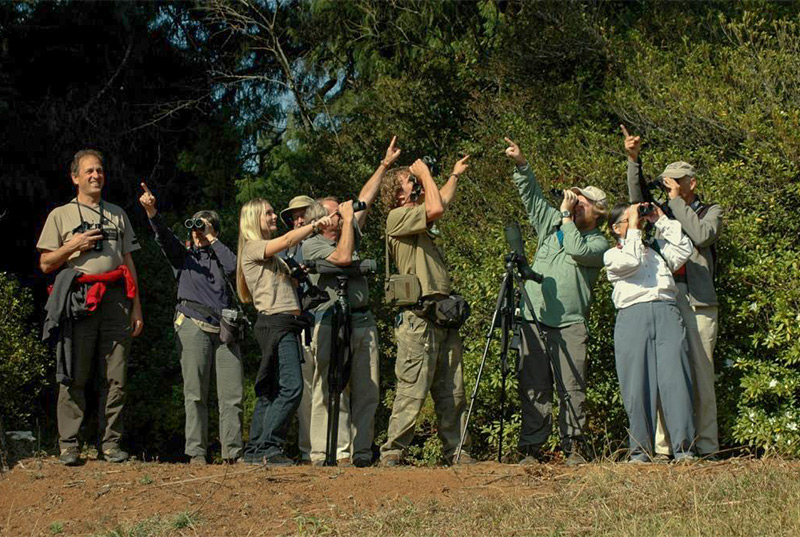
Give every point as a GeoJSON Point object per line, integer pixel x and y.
{"type": "Point", "coordinates": [86, 226]}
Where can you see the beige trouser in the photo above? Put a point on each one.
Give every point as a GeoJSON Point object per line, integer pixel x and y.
{"type": "Point", "coordinates": [428, 360]}
{"type": "Point", "coordinates": [701, 333]}
{"type": "Point", "coordinates": [358, 402]}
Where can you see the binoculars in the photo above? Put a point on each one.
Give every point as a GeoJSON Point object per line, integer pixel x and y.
{"type": "Point", "coordinates": [195, 223]}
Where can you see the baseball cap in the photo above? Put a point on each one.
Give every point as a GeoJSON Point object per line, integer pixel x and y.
{"type": "Point", "coordinates": [591, 193]}
{"type": "Point", "coordinates": [678, 169]}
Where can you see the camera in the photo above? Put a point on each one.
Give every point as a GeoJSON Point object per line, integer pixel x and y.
{"type": "Point", "coordinates": [513, 235]}
{"type": "Point", "coordinates": [195, 223]}
{"type": "Point", "coordinates": [86, 226]}
{"type": "Point", "coordinates": [311, 296]}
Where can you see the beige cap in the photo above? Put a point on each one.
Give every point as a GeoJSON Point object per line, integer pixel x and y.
{"type": "Point", "coordinates": [678, 169]}
{"type": "Point", "coordinates": [297, 202]}
{"type": "Point", "coordinates": [591, 193]}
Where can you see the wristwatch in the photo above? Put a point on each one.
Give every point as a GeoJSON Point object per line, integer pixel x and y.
{"type": "Point", "coordinates": [566, 214]}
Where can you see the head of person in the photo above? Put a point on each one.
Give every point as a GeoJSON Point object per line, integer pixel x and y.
{"type": "Point", "coordinates": [87, 172]}
{"type": "Point", "coordinates": [686, 177]}
{"type": "Point", "coordinates": [591, 209]}
{"type": "Point", "coordinates": [618, 220]}
{"type": "Point", "coordinates": [397, 189]}
{"type": "Point", "coordinates": [257, 221]}
{"type": "Point", "coordinates": [294, 216]}
{"type": "Point", "coordinates": [211, 219]}
{"type": "Point", "coordinates": [331, 206]}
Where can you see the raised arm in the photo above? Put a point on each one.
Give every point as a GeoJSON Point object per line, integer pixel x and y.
{"type": "Point", "coordinates": [703, 232]}
{"type": "Point", "coordinates": [434, 208]}
{"type": "Point", "coordinates": [448, 191]}
{"type": "Point", "coordinates": [165, 238]}
{"type": "Point", "coordinates": [633, 145]}
{"type": "Point", "coordinates": [290, 238]}
{"type": "Point", "coordinates": [343, 254]}
{"type": "Point", "coordinates": [372, 187]}
{"type": "Point", "coordinates": [623, 262]}
{"type": "Point", "coordinates": [675, 246]}
{"type": "Point", "coordinates": [541, 214]}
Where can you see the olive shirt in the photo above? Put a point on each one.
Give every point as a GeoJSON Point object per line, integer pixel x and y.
{"type": "Point", "coordinates": [569, 259]}
{"type": "Point", "coordinates": [268, 280]}
{"type": "Point", "coordinates": [58, 229]}
{"type": "Point", "coordinates": [320, 247]}
{"type": "Point", "coordinates": [413, 250]}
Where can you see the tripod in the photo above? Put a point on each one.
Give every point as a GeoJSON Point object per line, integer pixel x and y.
{"type": "Point", "coordinates": [339, 366]}
{"type": "Point", "coordinates": [507, 300]}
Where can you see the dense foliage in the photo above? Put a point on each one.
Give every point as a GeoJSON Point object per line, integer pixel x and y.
{"type": "Point", "coordinates": [281, 98]}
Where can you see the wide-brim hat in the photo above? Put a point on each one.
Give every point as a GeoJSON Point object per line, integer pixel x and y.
{"type": "Point", "coordinates": [677, 170]}
{"type": "Point", "coordinates": [297, 202]}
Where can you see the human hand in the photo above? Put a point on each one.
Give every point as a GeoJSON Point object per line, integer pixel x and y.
{"type": "Point", "coordinates": [570, 199]}
{"type": "Point", "coordinates": [148, 201]}
{"type": "Point", "coordinates": [460, 166]}
{"type": "Point", "coordinates": [633, 144]}
{"type": "Point", "coordinates": [137, 321]}
{"type": "Point", "coordinates": [673, 188]}
{"type": "Point", "coordinates": [81, 242]}
{"type": "Point", "coordinates": [513, 152]}
{"type": "Point", "coordinates": [346, 210]}
{"type": "Point", "coordinates": [392, 153]}
{"type": "Point", "coordinates": [633, 216]}
{"type": "Point", "coordinates": [419, 169]}
{"type": "Point", "coordinates": [655, 214]}
{"type": "Point", "coordinates": [323, 222]}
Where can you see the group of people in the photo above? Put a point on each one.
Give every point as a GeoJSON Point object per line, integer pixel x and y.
{"type": "Point", "coordinates": [663, 288]}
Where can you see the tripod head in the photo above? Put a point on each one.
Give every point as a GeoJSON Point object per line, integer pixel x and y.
{"type": "Point", "coordinates": [517, 256]}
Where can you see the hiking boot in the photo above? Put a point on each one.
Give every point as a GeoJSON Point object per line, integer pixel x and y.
{"type": "Point", "coordinates": [115, 454]}
{"type": "Point", "coordinates": [662, 458]}
{"type": "Point", "coordinates": [70, 456]}
{"type": "Point", "coordinates": [391, 461]}
{"type": "Point", "coordinates": [362, 462]}
{"type": "Point", "coordinates": [464, 459]}
{"type": "Point", "coordinates": [575, 459]}
{"type": "Point", "coordinates": [344, 463]}
{"type": "Point", "coordinates": [279, 459]}
{"type": "Point", "coordinates": [199, 460]}
{"type": "Point", "coordinates": [532, 456]}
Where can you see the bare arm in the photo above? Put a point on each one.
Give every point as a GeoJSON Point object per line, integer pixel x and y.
{"type": "Point", "coordinates": [51, 260]}
{"type": "Point", "coordinates": [343, 255]}
{"type": "Point", "coordinates": [137, 321]}
{"type": "Point", "coordinates": [289, 239]}
{"type": "Point", "coordinates": [372, 187]}
{"type": "Point", "coordinates": [434, 208]}
{"type": "Point", "coordinates": [448, 191]}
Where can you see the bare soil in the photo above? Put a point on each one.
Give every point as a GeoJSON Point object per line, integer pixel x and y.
{"type": "Point", "coordinates": [42, 497]}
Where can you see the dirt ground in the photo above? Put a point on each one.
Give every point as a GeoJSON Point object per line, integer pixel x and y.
{"type": "Point", "coordinates": [41, 497]}
{"type": "Point", "coordinates": [235, 500]}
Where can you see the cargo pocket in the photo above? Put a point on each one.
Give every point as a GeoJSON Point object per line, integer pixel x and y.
{"type": "Point", "coordinates": [413, 348]}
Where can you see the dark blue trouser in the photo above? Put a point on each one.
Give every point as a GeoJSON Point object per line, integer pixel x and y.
{"type": "Point", "coordinates": [274, 411]}
{"type": "Point", "coordinates": [653, 363]}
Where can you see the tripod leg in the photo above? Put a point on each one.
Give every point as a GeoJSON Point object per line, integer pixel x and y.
{"type": "Point", "coordinates": [497, 311]}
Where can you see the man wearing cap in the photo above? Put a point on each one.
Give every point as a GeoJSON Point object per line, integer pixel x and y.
{"type": "Point", "coordinates": [569, 257]}
{"type": "Point", "coordinates": [294, 217]}
{"type": "Point", "coordinates": [697, 298]}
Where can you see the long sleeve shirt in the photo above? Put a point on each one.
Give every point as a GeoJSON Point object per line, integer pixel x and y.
{"type": "Point", "coordinates": [639, 273]}
{"type": "Point", "coordinates": [569, 259]}
{"type": "Point", "coordinates": [199, 272]}
{"type": "Point", "coordinates": [703, 224]}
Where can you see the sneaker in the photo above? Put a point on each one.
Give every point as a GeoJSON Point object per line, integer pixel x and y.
{"type": "Point", "coordinates": [391, 461]}
{"type": "Point", "coordinates": [464, 459]}
{"type": "Point", "coordinates": [198, 460]}
{"type": "Point", "coordinates": [70, 456]}
{"type": "Point", "coordinates": [662, 458]}
{"type": "Point", "coordinates": [686, 458]}
{"type": "Point", "coordinates": [115, 454]}
{"type": "Point", "coordinates": [575, 459]}
{"type": "Point", "coordinates": [233, 460]}
{"type": "Point", "coordinates": [636, 461]}
{"type": "Point", "coordinates": [279, 459]}
{"type": "Point", "coordinates": [362, 463]}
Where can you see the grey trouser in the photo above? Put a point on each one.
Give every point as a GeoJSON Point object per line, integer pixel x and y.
{"type": "Point", "coordinates": [428, 360]}
{"type": "Point", "coordinates": [359, 401]}
{"type": "Point", "coordinates": [567, 347]}
{"type": "Point", "coordinates": [199, 350]}
{"type": "Point", "coordinates": [100, 345]}
{"type": "Point", "coordinates": [701, 334]}
{"type": "Point", "coordinates": [652, 359]}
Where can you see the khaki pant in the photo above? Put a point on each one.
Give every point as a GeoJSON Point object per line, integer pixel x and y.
{"type": "Point", "coordinates": [100, 346]}
{"type": "Point", "coordinates": [429, 359]}
{"type": "Point", "coordinates": [701, 334]}
{"type": "Point", "coordinates": [358, 402]}
{"type": "Point", "coordinates": [199, 351]}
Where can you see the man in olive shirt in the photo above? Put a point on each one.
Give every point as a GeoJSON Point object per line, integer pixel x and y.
{"type": "Point", "coordinates": [429, 357]}
{"type": "Point", "coordinates": [569, 257]}
{"type": "Point", "coordinates": [697, 297]}
{"type": "Point", "coordinates": [100, 340]}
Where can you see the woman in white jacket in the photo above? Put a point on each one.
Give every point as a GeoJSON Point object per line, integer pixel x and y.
{"type": "Point", "coordinates": [649, 337]}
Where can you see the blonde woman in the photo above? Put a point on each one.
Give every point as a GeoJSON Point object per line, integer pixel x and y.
{"type": "Point", "coordinates": [265, 280]}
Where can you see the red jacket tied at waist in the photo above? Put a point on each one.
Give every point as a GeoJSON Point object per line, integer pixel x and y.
{"type": "Point", "coordinates": [95, 293]}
